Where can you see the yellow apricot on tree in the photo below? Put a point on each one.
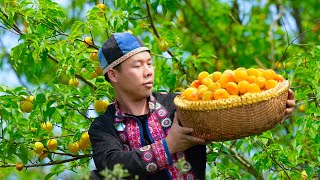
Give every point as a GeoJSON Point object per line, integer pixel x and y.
{"type": "Point", "coordinates": [30, 99]}
{"type": "Point", "coordinates": [85, 136]}
{"type": "Point", "coordinates": [240, 74]}
{"type": "Point", "coordinates": [47, 126]}
{"type": "Point", "coordinates": [253, 88]}
{"type": "Point", "coordinates": [19, 166]}
{"type": "Point", "coordinates": [100, 105]}
{"type": "Point", "coordinates": [99, 70]}
{"type": "Point", "coordinates": [207, 96]}
{"type": "Point", "coordinates": [102, 7]}
{"type": "Point", "coordinates": [88, 41]}
{"type": "Point", "coordinates": [38, 147]}
{"type": "Point", "coordinates": [221, 94]}
{"type": "Point", "coordinates": [304, 175]}
{"type": "Point", "coordinates": [242, 86]}
{"type": "Point", "coordinates": [271, 84]}
{"type": "Point", "coordinates": [163, 45]}
{"type": "Point", "coordinates": [44, 154]}
{"type": "Point", "coordinates": [52, 144]}
{"type": "Point", "coordinates": [73, 147]}
{"type": "Point", "coordinates": [302, 108]}
{"type": "Point", "coordinates": [202, 75]}
{"type": "Point", "coordinates": [26, 106]}
{"type": "Point", "coordinates": [84, 145]}
{"type": "Point", "coordinates": [73, 82]}
{"type": "Point", "coordinates": [232, 88]}
{"type": "Point", "coordinates": [94, 55]}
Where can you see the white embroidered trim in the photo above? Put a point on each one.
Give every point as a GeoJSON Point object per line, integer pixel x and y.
{"type": "Point", "coordinates": [123, 58]}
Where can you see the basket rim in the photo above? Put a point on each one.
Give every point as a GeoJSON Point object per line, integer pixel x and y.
{"type": "Point", "coordinates": [248, 98]}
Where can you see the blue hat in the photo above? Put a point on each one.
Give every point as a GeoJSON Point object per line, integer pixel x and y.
{"type": "Point", "coordinates": [118, 48]}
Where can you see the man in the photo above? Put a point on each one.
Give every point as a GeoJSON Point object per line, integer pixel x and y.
{"type": "Point", "coordinates": [140, 130]}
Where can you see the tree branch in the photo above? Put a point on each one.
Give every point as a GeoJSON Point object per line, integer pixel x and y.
{"type": "Point", "coordinates": [158, 36]}
{"type": "Point", "coordinates": [49, 163]}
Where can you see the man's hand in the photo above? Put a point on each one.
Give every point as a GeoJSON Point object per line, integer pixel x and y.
{"type": "Point", "coordinates": [290, 105]}
{"type": "Point", "coordinates": [180, 138]}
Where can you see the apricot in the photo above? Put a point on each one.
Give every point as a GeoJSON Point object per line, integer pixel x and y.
{"type": "Point", "coordinates": [279, 78]}
{"type": "Point", "coordinates": [242, 86]}
{"type": "Point", "coordinates": [221, 94]}
{"type": "Point", "coordinates": [260, 81]}
{"type": "Point", "coordinates": [191, 94]}
{"type": "Point", "coordinates": [202, 91]}
{"type": "Point", "coordinates": [232, 88]}
{"type": "Point", "coordinates": [202, 86]}
{"type": "Point", "coordinates": [202, 75]}
{"type": "Point", "coordinates": [269, 74]}
{"type": "Point", "coordinates": [215, 76]}
{"type": "Point", "coordinates": [207, 96]}
{"type": "Point", "coordinates": [214, 86]}
{"type": "Point", "coordinates": [225, 78]}
{"type": "Point", "coordinates": [195, 83]}
{"type": "Point", "coordinates": [206, 81]}
{"type": "Point", "coordinates": [240, 74]}
{"type": "Point", "coordinates": [251, 79]}
{"type": "Point", "coordinates": [253, 72]}
{"type": "Point", "coordinates": [253, 88]}
{"type": "Point", "coordinates": [271, 83]}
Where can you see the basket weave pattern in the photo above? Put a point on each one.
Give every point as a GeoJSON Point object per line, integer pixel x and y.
{"type": "Point", "coordinates": [250, 115]}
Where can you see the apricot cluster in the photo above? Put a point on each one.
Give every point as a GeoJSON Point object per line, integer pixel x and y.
{"type": "Point", "coordinates": [218, 85]}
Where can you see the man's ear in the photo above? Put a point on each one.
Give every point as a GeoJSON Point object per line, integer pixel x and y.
{"type": "Point", "coordinates": [112, 75]}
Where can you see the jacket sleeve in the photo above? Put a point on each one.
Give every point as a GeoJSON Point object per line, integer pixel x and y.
{"type": "Point", "coordinates": [108, 151]}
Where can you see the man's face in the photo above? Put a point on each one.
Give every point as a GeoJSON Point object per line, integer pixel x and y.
{"type": "Point", "coordinates": [135, 79]}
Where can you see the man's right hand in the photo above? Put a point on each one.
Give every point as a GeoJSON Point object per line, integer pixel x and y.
{"type": "Point", "coordinates": [179, 138]}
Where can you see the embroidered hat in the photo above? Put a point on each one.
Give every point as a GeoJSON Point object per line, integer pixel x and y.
{"type": "Point", "coordinates": [118, 48]}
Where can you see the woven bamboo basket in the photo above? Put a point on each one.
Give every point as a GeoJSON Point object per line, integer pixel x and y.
{"type": "Point", "coordinates": [236, 117]}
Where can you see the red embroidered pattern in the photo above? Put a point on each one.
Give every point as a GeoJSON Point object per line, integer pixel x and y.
{"type": "Point", "coordinates": [160, 154]}
{"type": "Point", "coordinates": [133, 134]}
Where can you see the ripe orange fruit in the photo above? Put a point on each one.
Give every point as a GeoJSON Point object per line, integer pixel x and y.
{"type": "Point", "coordinates": [73, 147]}
{"type": "Point", "coordinates": [163, 45]}
{"type": "Point", "coordinates": [214, 86]}
{"type": "Point", "coordinates": [88, 41]}
{"type": "Point", "coordinates": [253, 88]}
{"type": "Point", "coordinates": [195, 84]}
{"type": "Point", "coordinates": [73, 82]}
{"type": "Point", "coordinates": [240, 74]}
{"type": "Point", "coordinates": [225, 78]}
{"type": "Point", "coordinates": [271, 84]}
{"type": "Point", "coordinates": [201, 91]}
{"type": "Point", "coordinates": [269, 74]}
{"type": "Point", "coordinates": [202, 75]}
{"type": "Point", "coordinates": [242, 86]}
{"type": "Point", "coordinates": [52, 144]}
{"type": "Point", "coordinates": [26, 106]}
{"type": "Point", "coordinates": [207, 96]}
{"type": "Point", "coordinates": [206, 81]}
{"type": "Point", "coordinates": [19, 166]}
{"type": "Point", "coordinates": [253, 72]}
{"type": "Point", "coordinates": [232, 88]}
{"type": "Point", "coordinates": [94, 55]}
{"type": "Point", "coordinates": [221, 94]}
{"type": "Point", "coordinates": [102, 7]}
{"type": "Point", "coordinates": [251, 79]}
{"type": "Point", "coordinates": [260, 81]}
{"type": "Point", "coordinates": [191, 94]}
{"type": "Point", "coordinates": [215, 76]}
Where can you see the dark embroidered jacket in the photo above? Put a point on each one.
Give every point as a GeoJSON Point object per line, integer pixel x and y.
{"type": "Point", "coordinates": [118, 138]}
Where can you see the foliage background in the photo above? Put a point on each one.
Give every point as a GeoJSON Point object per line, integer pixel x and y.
{"type": "Point", "coordinates": [45, 49]}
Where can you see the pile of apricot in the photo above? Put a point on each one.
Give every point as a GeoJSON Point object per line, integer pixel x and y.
{"type": "Point", "coordinates": [218, 85]}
